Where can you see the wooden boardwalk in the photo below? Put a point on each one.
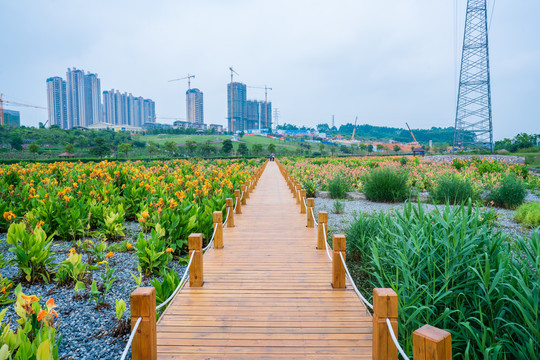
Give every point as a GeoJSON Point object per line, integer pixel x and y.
{"type": "Point", "coordinates": [267, 294]}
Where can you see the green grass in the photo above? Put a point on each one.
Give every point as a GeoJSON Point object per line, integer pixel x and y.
{"type": "Point", "coordinates": [532, 159]}
{"type": "Point", "coordinates": [264, 141]}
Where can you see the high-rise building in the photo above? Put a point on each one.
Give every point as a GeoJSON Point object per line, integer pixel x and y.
{"type": "Point", "coordinates": [57, 102]}
{"type": "Point", "coordinates": [266, 115]}
{"type": "Point", "coordinates": [83, 98]}
{"type": "Point", "coordinates": [12, 118]}
{"type": "Point", "coordinates": [252, 107]}
{"type": "Point", "coordinates": [124, 109]}
{"type": "Point", "coordinates": [194, 106]}
{"type": "Point", "coordinates": [237, 106]}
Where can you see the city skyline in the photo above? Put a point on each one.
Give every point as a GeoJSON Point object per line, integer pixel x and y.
{"type": "Point", "coordinates": [385, 64]}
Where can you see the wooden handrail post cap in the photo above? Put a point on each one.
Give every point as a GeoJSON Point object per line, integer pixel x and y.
{"type": "Point", "coordinates": [195, 242]}
{"type": "Point", "coordinates": [431, 343]}
{"type": "Point", "coordinates": [143, 304]}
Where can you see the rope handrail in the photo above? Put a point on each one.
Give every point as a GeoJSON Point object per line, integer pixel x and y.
{"type": "Point", "coordinates": [242, 196]}
{"type": "Point", "coordinates": [179, 285]}
{"type": "Point", "coordinates": [313, 215]}
{"type": "Point", "coordinates": [130, 340]}
{"type": "Point", "coordinates": [391, 330]}
{"type": "Point", "coordinates": [352, 281]}
{"type": "Point", "coordinates": [227, 218]}
{"type": "Point", "coordinates": [236, 204]}
{"type": "Point", "coordinates": [326, 242]}
{"type": "Point", "coordinates": [212, 239]}
{"type": "Point", "coordinates": [303, 199]}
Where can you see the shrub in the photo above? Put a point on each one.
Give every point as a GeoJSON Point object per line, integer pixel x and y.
{"type": "Point", "coordinates": [338, 187]}
{"type": "Point", "coordinates": [453, 270]}
{"type": "Point", "coordinates": [338, 207]}
{"type": "Point", "coordinates": [453, 190]}
{"type": "Point", "coordinates": [72, 269]}
{"type": "Point", "coordinates": [166, 286]}
{"type": "Point", "coordinates": [386, 185]}
{"type": "Point", "coordinates": [32, 251]}
{"type": "Point", "coordinates": [403, 160]}
{"type": "Point", "coordinates": [528, 214]}
{"type": "Point", "coordinates": [309, 186]}
{"type": "Point", "coordinates": [152, 253]}
{"type": "Point", "coordinates": [509, 194]}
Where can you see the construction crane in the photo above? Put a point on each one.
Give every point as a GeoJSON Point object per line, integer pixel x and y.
{"type": "Point", "coordinates": [354, 129]}
{"type": "Point", "coordinates": [188, 77]}
{"type": "Point", "coordinates": [266, 88]}
{"type": "Point", "coordinates": [411, 133]}
{"type": "Point", "coordinates": [13, 103]}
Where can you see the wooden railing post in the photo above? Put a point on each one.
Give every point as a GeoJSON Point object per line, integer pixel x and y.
{"type": "Point", "coordinates": [243, 193]}
{"type": "Point", "coordinates": [385, 305]}
{"type": "Point", "coordinates": [431, 343]}
{"type": "Point", "coordinates": [303, 201]}
{"type": "Point", "coordinates": [297, 193]}
{"type": "Point", "coordinates": [310, 211]}
{"type": "Point", "coordinates": [217, 218]}
{"type": "Point", "coordinates": [249, 187]}
{"type": "Point", "coordinates": [143, 304]}
{"type": "Point", "coordinates": [196, 270]}
{"type": "Point", "coordinates": [322, 230]}
{"type": "Point", "coordinates": [230, 212]}
{"type": "Point", "coordinates": [338, 269]}
{"type": "Point", "coordinates": [237, 201]}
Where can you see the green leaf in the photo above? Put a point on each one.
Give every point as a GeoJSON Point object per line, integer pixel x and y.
{"type": "Point", "coordinates": [43, 351]}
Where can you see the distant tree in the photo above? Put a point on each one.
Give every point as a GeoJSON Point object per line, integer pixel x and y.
{"type": "Point", "coordinates": [16, 142]}
{"type": "Point", "coordinates": [397, 148]}
{"type": "Point", "coordinates": [69, 148]}
{"type": "Point", "coordinates": [381, 147]}
{"type": "Point", "coordinates": [34, 148]}
{"type": "Point", "coordinates": [207, 149]}
{"type": "Point", "coordinates": [241, 135]}
{"type": "Point", "coordinates": [138, 144]}
{"type": "Point", "coordinates": [227, 146]}
{"type": "Point", "coordinates": [362, 147]}
{"type": "Point", "coordinates": [321, 147]}
{"type": "Point", "coordinates": [82, 142]}
{"type": "Point", "coordinates": [345, 149]}
{"type": "Point", "coordinates": [333, 149]}
{"type": "Point", "coordinates": [370, 148]}
{"type": "Point", "coordinates": [271, 148]}
{"type": "Point", "coordinates": [124, 148]}
{"type": "Point", "coordinates": [100, 148]}
{"type": "Point", "coordinates": [151, 148]}
{"type": "Point", "coordinates": [257, 149]}
{"type": "Point", "coordinates": [242, 149]}
{"type": "Point", "coordinates": [171, 147]}
{"type": "Point", "coordinates": [191, 146]}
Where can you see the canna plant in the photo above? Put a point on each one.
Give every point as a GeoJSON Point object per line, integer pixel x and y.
{"type": "Point", "coordinates": [36, 336]}
{"type": "Point", "coordinates": [113, 224]}
{"type": "Point", "coordinates": [166, 286]}
{"type": "Point", "coordinates": [152, 252]}
{"type": "Point", "coordinates": [98, 292]}
{"type": "Point", "coordinates": [72, 270]}
{"type": "Point", "coordinates": [32, 252]}
{"type": "Point", "coordinates": [123, 326]}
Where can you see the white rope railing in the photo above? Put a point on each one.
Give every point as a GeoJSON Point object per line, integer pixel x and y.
{"type": "Point", "coordinates": [391, 331]}
{"type": "Point", "coordinates": [326, 242]}
{"type": "Point", "coordinates": [128, 345]}
{"type": "Point", "coordinates": [212, 239]}
{"type": "Point", "coordinates": [227, 218]}
{"type": "Point", "coordinates": [242, 196]}
{"type": "Point", "coordinates": [313, 215]}
{"type": "Point", "coordinates": [179, 285]}
{"type": "Point", "coordinates": [304, 200]}
{"type": "Point", "coordinates": [235, 205]}
{"type": "Point", "coordinates": [353, 284]}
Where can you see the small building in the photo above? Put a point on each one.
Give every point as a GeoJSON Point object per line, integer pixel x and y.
{"type": "Point", "coordinates": [217, 128]}
{"type": "Point", "coordinates": [66, 155]}
{"type": "Point", "coordinates": [418, 151]}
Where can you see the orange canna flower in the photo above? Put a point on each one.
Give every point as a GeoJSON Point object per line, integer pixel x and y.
{"type": "Point", "coordinates": [109, 255]}
{"type": "Point", "coordinates": [169, 250]}
{"type": "Point", "coordinates": [41, 315]}
{"type": "Point", "coordinates": [129, 246]}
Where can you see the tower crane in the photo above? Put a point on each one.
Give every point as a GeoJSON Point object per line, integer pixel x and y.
{"type": "Point", "coordinates": [188, 77]}
{"type": "Point", "coordinates": [13, 103]}
{"type": "Point", "coordinates": [354, 129]}
{"type": "Point", "coordinates": [266, 88]}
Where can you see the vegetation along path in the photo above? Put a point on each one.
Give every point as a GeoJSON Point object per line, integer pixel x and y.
{"type": "Point", "coordinates": [267, 293]}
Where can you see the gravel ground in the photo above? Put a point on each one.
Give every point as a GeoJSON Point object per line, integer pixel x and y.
{"type": "Point", "coordinates": [84, 328]}
{"type": "Point", "coordinates": [340, 222]}
{"type": "Point", "coordinates": [507, 158]}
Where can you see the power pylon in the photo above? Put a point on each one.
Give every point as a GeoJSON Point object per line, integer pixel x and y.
{"type": "Point", "coordinates": [473, 127]}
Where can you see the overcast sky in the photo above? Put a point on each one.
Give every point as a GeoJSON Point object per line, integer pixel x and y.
{"type": "Point", "coordinates": [387, 62]}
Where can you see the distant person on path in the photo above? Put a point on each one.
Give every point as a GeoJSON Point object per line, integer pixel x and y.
{"type": "Point", "coordinates": [272, 157]}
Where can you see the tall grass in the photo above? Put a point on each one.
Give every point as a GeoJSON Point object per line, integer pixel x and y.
{"type": "Point", "coordinates": [453, 190]}
{"type": "Point", "coordinates": [386, 185]}
{"type": "Point", "coordinates": [453, 270]}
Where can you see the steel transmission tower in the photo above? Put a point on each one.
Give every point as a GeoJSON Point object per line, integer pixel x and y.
{"type": "Point", "coordinates": [473, 128]}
